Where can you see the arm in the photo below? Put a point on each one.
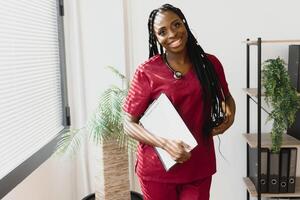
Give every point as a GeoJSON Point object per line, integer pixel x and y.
{"type": "Point", "coordinates": [229, 107]}
{"type": "Point", "coordinates": [177, 149]}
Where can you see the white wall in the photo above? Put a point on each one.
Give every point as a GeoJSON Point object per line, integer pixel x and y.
{"type": "Point", "coordinates": [102, 45]}
{"type": "Point", "coordinates": [94, 34]}
{"type": "Point", "coordinates": [220, 27]}
{"type": "Point", "coordinates": [52, 180]}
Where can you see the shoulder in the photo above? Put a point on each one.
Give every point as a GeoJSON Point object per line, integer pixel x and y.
{"type": "Point", "coordinates": [150, 64]}
{"type": "Point", "coordinates": [215, 62]}
{"type": "Point", "coordinates": [145, 70]}
{"type": "Point", "coordinates": [212, 58]}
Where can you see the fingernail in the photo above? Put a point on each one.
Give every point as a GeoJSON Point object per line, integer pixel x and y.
{"type": "Point", "coordinates": [188, 148]}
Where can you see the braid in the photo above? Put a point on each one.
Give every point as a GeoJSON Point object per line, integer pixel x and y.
{"type": "Point", "coordinates": [152, 40]}
{"type": "Point", "coordinates": [203, 67]}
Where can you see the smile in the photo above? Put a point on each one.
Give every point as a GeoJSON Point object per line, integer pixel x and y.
{"type": "Point", "coordinates": [175, 43]}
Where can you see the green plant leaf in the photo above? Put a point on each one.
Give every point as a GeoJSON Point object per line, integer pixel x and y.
{"type": "Point", "coordinates": [281, 96]}
{"type": "Point", "coordinates": [70, 141]}
{"type": "Point", "coordinates": [116, 72]}
{"type": "Point", "coordinates": [105, 123]}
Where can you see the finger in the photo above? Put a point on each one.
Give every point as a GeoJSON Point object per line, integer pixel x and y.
{"type": "Point", "coordinates": [182, 156]}
{"type": "Point", "coordinates": [178, 150]}
{"type": "Point", "coordinates": [187, 147]}
{"type": "Point", "coordinates": [173, 153]}
{"type": "Point", "coordinates": [186, 157]}
{"type": "Point", "coordinates": [180, 142]}
{"type": "Point", "coordinates": [220, 129]}
{"type": "Point", "coordinates": [179, 161]}
{"type": "Point", "coordinates": [216, 129]}
{"type": "Point", "coordinates": [182, 147]}
{"type": "Point", "coordinates": [216, 132]}
{"type": "Point", "coordinates": [226, 119]}
{"type": "Point", "coordinates": [223, 106]}
{"type": "Point", "coordinates": [173, 147]}
{"type": "Point", "coordinates": [213, 131]}
{"type": "Point", "coordinates": [223, 126]}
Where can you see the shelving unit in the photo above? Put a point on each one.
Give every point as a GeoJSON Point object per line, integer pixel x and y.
{"type": "Point", "coordinates": [252, 190]}
{"type": "Point", "coordinates": [258, 139]}
{"type": "Point", "coordinates": [266, 140]}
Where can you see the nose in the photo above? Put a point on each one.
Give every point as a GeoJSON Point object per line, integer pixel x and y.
{"type": "Point", "coordinates": [172, 33]}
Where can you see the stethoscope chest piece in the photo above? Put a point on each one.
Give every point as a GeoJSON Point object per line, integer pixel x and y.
{"type": "Point", "coordinates": [177, 75]}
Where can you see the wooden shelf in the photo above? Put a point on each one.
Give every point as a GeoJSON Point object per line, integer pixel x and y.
{"type": "Point", "coordinates": [254, 42]}
{"type": "Point", "coordinates": [253, 92]}
{"type": "Point", "coordinates": [266, 140]}
{"type": "Point", "coordinates": [252, 190]}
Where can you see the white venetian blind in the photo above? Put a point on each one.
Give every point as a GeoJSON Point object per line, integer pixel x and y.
{"type": "Point", "coordinates": [30, 80]}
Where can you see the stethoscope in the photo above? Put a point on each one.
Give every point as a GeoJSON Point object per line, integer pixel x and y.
{"type": "Point", "coordinates": [176, 74]}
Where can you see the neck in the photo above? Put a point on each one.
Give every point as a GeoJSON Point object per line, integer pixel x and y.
{"type": "Point", "coordinates": [178, 61]}
{"type": "Point", "coordinates": [181, 58]}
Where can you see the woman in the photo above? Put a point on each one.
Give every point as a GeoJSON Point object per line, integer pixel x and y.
{"type": "Point", "coordinates": [195, 83]}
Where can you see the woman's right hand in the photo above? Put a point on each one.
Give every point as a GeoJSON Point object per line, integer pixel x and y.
{"type": "Point", "coordinates": [178, 150]}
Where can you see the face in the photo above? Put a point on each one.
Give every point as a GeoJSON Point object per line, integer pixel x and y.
{"type": "Point", "coordinates": [170, 31]}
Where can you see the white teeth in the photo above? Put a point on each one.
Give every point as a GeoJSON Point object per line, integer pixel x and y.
{"type": "Point", "coordinates": [175, 43]}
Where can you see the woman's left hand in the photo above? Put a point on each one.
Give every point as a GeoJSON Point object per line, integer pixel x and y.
{"type": "Point", "coordinates": [229, 108]}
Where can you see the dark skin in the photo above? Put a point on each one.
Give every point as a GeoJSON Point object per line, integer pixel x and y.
{"type": "Point", "coordinates": [171, 33]}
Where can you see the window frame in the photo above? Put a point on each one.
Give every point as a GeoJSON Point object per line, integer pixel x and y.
{"type": "Point", "coordinates": [16, 176]}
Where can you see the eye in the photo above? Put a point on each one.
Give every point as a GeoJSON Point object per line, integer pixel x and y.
{"type": "Point", "coordinates": [161, 32]}
{"type": "Point", "coordinates": [177, 24]}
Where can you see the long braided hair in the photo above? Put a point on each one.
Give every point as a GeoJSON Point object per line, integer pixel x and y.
{"type": "Point", "coordinates": [203, 67]}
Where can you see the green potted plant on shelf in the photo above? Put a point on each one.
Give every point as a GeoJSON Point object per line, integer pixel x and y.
{"type": "Point", "coordinates": [105, 127]}
{"type": "Point", "coordinates": [282, 96]}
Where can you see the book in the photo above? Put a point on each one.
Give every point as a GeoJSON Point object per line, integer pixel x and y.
{"type": "Point", "coordinates": [253, 162]}
{"type": "Point", "coordinates": [274, 162]}
{"type": "Point", "coordinates": [283, 170]}
{"type": "Point", "coordinates": [292, 170]}
{"type": "Point", "coordinates": [162, 119]}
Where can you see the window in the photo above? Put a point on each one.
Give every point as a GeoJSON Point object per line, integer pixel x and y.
{"type": "Point", "coordinates": [33, 96]}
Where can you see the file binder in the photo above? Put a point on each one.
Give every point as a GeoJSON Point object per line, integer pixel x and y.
{"type": "Point", "coordinates": [264, 168]}
{"type": "Point", "coordinates": [292, 170]}
{"type": "Point", "coordinates": [274, 172]}
{"type": "Point", "coordinates": [162, 119]}
{"type": "Point", "coordinates": [284, 165]}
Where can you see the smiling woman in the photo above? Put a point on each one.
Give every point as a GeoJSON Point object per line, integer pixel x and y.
{"type": "Point", "coordinates": [172, 35]}
{"type": "Point", "coordinates": [170, 31]}
{"type": "Point", "coordinates": [195, 83]}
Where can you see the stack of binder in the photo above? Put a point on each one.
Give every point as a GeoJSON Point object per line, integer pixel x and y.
{"type": "Point", "coordinates": [278, 170]}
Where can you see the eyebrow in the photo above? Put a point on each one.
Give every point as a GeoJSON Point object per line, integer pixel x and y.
{"type": "Point", "coordinates": [174, 21]}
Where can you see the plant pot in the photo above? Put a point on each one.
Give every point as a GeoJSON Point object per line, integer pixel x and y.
{"type": "Point", "coordinates": [112, 182]}
{"type": "Point", "coordinates": [89, 197]}
{"type": "Point", "coordinates": [133, 196]}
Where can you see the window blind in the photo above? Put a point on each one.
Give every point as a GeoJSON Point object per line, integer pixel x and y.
{"type": "Point", "coordinates": [31, 113]}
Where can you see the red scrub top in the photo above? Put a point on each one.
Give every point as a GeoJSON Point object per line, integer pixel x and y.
{"type": "Point", "coordinates": [151, 79]}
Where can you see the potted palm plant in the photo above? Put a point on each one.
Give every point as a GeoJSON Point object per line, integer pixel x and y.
{"type": "Point", "coordinates": [282, 96]}
{"type": "Point", "coordinates": [105, 127]}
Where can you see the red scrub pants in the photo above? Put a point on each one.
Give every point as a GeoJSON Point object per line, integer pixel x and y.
{"type": "Point", "coordinates": [197, 190]}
